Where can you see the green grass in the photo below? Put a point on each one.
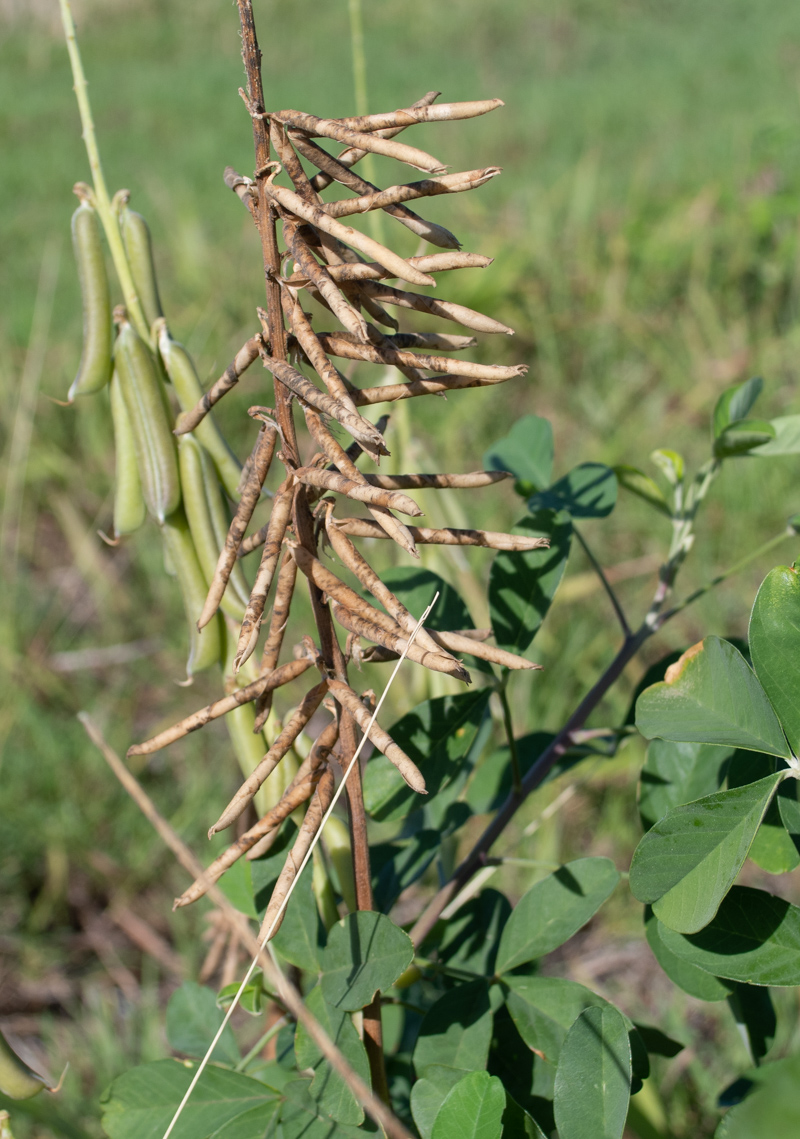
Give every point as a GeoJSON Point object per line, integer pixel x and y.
{"type": "Point", "coordinates": [645, 235]}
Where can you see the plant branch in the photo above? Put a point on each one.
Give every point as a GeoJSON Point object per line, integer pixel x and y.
{"type": "Point", "coordinates": [102, 201]}
{"type": "Point", "coordinates": [626, 629]}
{"type": "Point", "coordinates": [516, 774]}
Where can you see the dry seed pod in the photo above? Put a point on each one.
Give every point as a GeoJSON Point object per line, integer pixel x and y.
{"type": "Point", "coordinates": [292, 729]}
{"type": "Point", "coordinates": [359, 492]}
{"type": "Point", "coordinates": [445, 341]}
{"type": "Point", "coordinates": [279, 520]}
{"type": "Point", "coordinates": [156, 453]}
{"type": "Point", "coordinates": [206, 647]}
{"type": "Point", "coordinates": [129, 508]}
{"type": "Point", "coordinates": [349, 317]}
{"type": "Point", "coordinates": [205, 511]}
{"type": "Point", "coordinates": [351, 702]}
{"type": "Point", "coordinates": [393, 638]}
{"type": "Point", "coordinates": [429, 187]}
{"type": "Point", "coordinates": [284, 591]}
{"type": "Point", "coordinates": [338, 345]}
{"type": "Point", "coordinates": [438, 482]}
{"type": "Point", "coordinates": [489, 539]}
{"type": "Point", "coordinates": [348, 158]}
{"type": "Point", "coordinates": [408, 116]}
{"type": "Point", "coordinates": [445, 309]}
{"type": "Point", "coordinates": [188, 420]}
{"type": "Point", "coordinates": [94, 370]}
{"type": "Point", "coordinates": [298, 792]}
{"type": "Point", "coordinates": [283, 675]}
{"type": "Point", "coordinates": [329, 128]}
{"type": "Point", "coordinates": [459, 643]}
{"type": "Point", "coordinates": [181, 371]}
{"type": "Point", "coordinates": [429, 263]}
{"type": "Point", "coordinates": [261, 456]}
{"type": "Point", "coordinates": [319, 804]}
{"type": "Point", "coordinates": [139, 248]}
{"type": "Point", "coordinates": [440, 385]}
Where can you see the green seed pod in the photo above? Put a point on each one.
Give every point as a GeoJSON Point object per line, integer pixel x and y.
{"type": "Point", "coordinates": [208, 523]}
{"type": "Point", "coordinates": [336, 839]}
{"type": "Point", "coordinates": [189, 390]}
{"type": "Point", "coordinates": [129, 508]}
{"type": "Point", "coordinates": [139, 248]}
{"type": "Point", "coordinates": [17, 1080]}
{"type": "Point", "coordinates": [94, 370]}
{"type": "Point", "coordinates": [156, 453]}
{"type": "Point", "coordinates": [205, 649]}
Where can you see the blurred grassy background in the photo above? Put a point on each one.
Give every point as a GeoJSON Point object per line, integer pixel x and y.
{"type": "Point", "coordinates": [645, 232]}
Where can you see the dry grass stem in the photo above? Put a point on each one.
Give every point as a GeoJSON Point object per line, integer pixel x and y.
{"type": "Point", "coordinates": [489, 539]}
{"type": "Point", "coordinates": [409, 116]}
{"type": "Point", "coordinates": [188, 420]}
{"type": "Point", "coordinates": [351, 702]}
{"type": "Point", "coordinates": [358, 491]}
{"type": "Point", "coordinates": [427, 188]}
{"type": "Point", "coordinates": [276, 529]}
{"type": "Point", "coordinates": [469, 479]}
{"type": "Point", "coordinates": [319, 804]}
{"type": "Point", "coordinates": [459, 314]}
{"type": "Point", "coordinates": [276, 679]}
{"type": "Point", "coordinates": [305, 710]}
{"type": "Point", "coordinates": [261, 458]}
{"type": "Point", "coordinates": [374, 143]}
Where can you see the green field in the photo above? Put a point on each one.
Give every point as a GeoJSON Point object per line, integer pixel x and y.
{"type": "Point", "coordinates": [645, 235]}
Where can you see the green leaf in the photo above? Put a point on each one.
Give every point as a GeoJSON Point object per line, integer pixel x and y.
{"type": "Point", "coordinates": [735, 403]}
{"type": "Point", "coordinates": [786, 440]}
{"type": "Point", "coordinates": [527, 451]}
{"type": "Point", "coordinates": [545, 1008]}
{"type": "Point", "coordinates": [490, 784]}
{"type": "Point", "coordinates": [554, 909]}
{"type": "Point", "coordinates": [522, 585]}
{"type": "Point", "coordinates": [141, 1103]}
{"type": "Point", "coordinates": [687, 863]}
{"type": "Point", "coordinates": [742, 437]}
{"type": "Point", "coordinates": [517, 1124]}
{"type": "Point", "coordinates": [329, 1091]}
{"type": "Point", "coordinates": [671, 465]}
{"type": "Point", "coordinates": [417, 587]}
{"type": "Point", "coordinates": [237, 886]}
{"type": "Point", "coordinates": [252, 1124]}
{"type": "Point", "coordinates": [754, 938]}
{"type": "Point", "coordinates": [397, 865]}
{"type": "Point", "coordinates": [473, 1109]}
{"type": "Point", "coordinates": [772, 1109]}
{"type": "Point", "coordinates": [754, 1014]}
{"type": "Point", "coordinates": [588, 491]}
{"type": "Point", "coordinates": [640, 484]}
{"type": "Point", "coordinates": [365, 954]}
{"type": "Point", "coordinates": [438, 735]}
{"type": "Point", "coordinates": [773, 848]}
{"type": "Point", "coordinates": [471, 936]}
{"type": "Point", "coordinates": [456, 1030]}
{"type": "Point", "coordinates": [299, 1118]}
{"type": "Point", "coordinates": [711, 696]}
{"type": "Point", "coordinates": [774, 636]}
{"type": "Point", "coordinates": [676, 773]}
{"type": "Point", "coordinates": [788, 800]}
{"type": "Point", "coordinates": [593, 1079]}
{"type": "Point", "coordinates": [691, 978]}
{"type": "Point", "coordinates": [252, 998]}
{"type": "Point", "coordinates": [429, 1093]}
{"type": "Point", "coordinates": [192, 1021]}
{"type": "Point", "coordinates": [525, 1076]}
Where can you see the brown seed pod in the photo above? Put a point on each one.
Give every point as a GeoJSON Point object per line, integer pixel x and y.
{"type": "Point", "coordinates": [427, 188]}
{"type": "Point", "coordinates": [458, 643]}
{"type": "Point", "coordinates": [338, 345]}
{"type": "Point", "coordinates": [329, 128]}
{"type": "Point", "coordinates": [441, 385]}
{"type": "Point", "coordinates": [284, 590]}
{"type": "Point", "coordinates": [408, 116]}
{"type": "Point", "coordinates": [188, 420]}
{"type": "Point", "coordinates": [396, 640]}
{"type": "Point", "coordinates": [429, 263]}
{"type": "Point", "coordinates": [319, 804]}
{"type": "Point", "coordinates": [351, 702]}
{"type": "Point", "coordinates": [459, 314]}
{"type": "Point", "coordinates": [489, 539]}
{"type": "Point", "coordinates": [359, 492]}
{"type": "Point", "coordinates": [468, 479]}
{"type": "Point", "coordinates": [292, 729]}
{"type": "Point", "coordinates": [262, 453]}
{"type": "Point", "coordinates": [318, 276]}
{"type": "Point", "coordinates": [276, 679]}
{"type": "Point", "coordinates": [278, 521]}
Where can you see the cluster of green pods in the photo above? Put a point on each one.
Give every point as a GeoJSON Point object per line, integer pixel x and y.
{"type": "Point", "coordinates": [184, 487]}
